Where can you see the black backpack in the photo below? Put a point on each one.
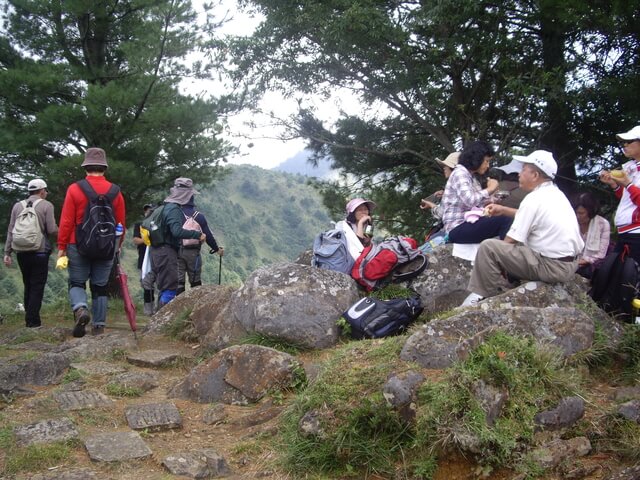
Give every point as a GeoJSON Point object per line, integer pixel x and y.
{"type": "Point", "coordinates": [374, 318]}
{"type": "Point", "coordinates": [96, 235]}
{"type": "Point", "coordinates": [616, 283]}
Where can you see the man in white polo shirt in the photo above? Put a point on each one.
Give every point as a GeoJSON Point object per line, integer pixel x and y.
{"type": "Point", "coordinates": [544, 240]}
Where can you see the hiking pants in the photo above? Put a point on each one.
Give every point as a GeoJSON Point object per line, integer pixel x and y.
{"type": "Point", "coordinates": [164, 265]}
{"type": "Point", "coordinates": [35, 269]}
{"type": "Point", "coordinates": [97, 272]}
{"type": "Point", "coordinates": [496, 256]}
{"type": "Point", "coordinates": [483, 228]}
{"type": "Point", "coordinates": [189, 265]}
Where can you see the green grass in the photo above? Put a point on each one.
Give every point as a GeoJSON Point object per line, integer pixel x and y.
{"type": "Point", "coordinates": [361, 435]}
{"type": "Point", "coordinates": [361, 431]}
{"type": "Point", "coordinates": [535, 378]}
{"type": "Point", "coordinates": [276, 343]}
{"type": "Point", "coordinates": [181, 328]}
{"type": "Point", "coordinates": [121, 391]}
{"type": "Point", "coordinates": [37, 457]}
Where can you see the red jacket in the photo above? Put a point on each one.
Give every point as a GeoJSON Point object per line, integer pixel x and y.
{"type": "Point", "coordinates": [74, 206]}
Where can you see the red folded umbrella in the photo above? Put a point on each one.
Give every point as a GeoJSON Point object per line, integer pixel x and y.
{"type": "Point", "coordinates": [129, 306]}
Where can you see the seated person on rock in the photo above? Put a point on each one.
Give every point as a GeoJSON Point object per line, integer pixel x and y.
{"type": "Point", "coordinates": [544, 242]}
{"type": "Point", "coordinates": [509, 192]}
{"type": "Point", "coordinates": [595, 231]}
{"type": "Point", "coordinates": [358, 225]}
{"type": "Point", "coordinates": [448, 164]}
{"type": "Point", "coordinates": [464, 195]}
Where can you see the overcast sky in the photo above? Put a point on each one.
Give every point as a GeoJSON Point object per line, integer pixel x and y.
{"type": "Point", "coordinates": [260, 146]}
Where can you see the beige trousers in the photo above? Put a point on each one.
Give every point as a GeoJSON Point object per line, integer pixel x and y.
{"type": "Point", "coordinates": [496, 256]}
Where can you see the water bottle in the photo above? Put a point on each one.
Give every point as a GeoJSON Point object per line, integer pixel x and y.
{"type": "Point", "coordinates": [119, 230]}
{"type": "Point", "coordinates": [368, 230]}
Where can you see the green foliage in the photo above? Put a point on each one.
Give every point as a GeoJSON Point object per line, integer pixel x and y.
{"type": "Point", "coordinates": [533, 375]}
{"type": "Point", "coordinates": [72, 375]}
{"type": "Point", "coordinates": [105, 74]}
{"type": "Point", "coordinates": [433, 74]}
{"type": "Point", "coordinates": [117, 390]}
{"type": "Point", "coordinates": [276, 343]}
{"type": "Point", "coordinates": [392, 291]}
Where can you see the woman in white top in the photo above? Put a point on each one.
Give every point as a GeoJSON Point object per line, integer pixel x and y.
{"type": "Point", "coordinates": [595, 231]}
{"type": "Point", "coordinates": [358, 225]}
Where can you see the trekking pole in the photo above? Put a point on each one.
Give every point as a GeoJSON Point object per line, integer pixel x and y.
{"type": "Point", "coordinates": [219, 267]}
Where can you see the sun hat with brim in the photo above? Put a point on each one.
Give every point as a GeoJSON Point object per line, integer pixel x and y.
{"type": "Point", "coordinates": [451, 161]}
{"type": "Point", "coordinates": [543, 160]}
{"type": "Point", "coordinates": [633, 134]}
{"type": "Point", "coordinates": [356, 202]}
{"type": "Point", "coordinates": [514, 166]}
{"type": "Point", "coordinates": [36, 184]}
{"type": "Point", "coordinates": [181, 192]}
{"type": "Point", "coordinates": [95, 156]}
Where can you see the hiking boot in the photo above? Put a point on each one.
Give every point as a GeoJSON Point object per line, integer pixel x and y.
{"type": "Point", "coordinates": [82, 317]}
{"type": "Point", "coordinates": [97, 330]}
{"type": "Point", "coordinates": [472, 300]}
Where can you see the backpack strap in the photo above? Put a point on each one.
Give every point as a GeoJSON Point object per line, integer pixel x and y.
{"type": "Point", "coordinates": [86, 187]}
{"type": "Point", "coordinates": [91, 194]}
{"type": "Point", "coordinates": [113, 192]}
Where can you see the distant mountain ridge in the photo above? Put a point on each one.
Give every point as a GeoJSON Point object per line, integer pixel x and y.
{"type": "Point", "coordinates": [299, 164]}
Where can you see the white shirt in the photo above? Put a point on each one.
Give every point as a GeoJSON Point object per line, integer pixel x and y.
{"type": "Point", "coordinates": [547, 224]}
{"type": "Point", "coordinates": [354, 245]}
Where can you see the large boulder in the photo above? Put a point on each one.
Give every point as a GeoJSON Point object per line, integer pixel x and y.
{"type": "Point", "coordinates": [238, 375]}
{"type": "Point", "coordinates": [296, 303]}
{"type": "Point", "coordinates": [441, 342]}
{"type": "Point", "coordinates": [443, 284]}
{"type": "Point", "coordinates": [201, 305]}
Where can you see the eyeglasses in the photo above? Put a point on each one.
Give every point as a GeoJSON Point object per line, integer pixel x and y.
{"type": "Point", "coordinates": [627, 142]}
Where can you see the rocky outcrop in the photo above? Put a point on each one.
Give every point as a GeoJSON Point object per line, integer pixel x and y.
{"type": "Point", "coordinates": [296, 303]}
{"type": "Point", "coordinates": [238, 375]}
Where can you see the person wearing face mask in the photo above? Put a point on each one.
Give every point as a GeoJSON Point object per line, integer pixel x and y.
{"type": "Point", "coordinates": [626, 186]}
{"type": "Point", "coordinates": [464, 199]}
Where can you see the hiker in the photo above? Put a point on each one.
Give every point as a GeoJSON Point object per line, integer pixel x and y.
{"type": "Point", "coordinates": [509, 192]}
{"type": "Point", "coordinates": [544, 241]}
{"type": "Point", "coordinates": [448, 164]}
{"type": "Point", "coordinates": [189, 258]}
{"type": "Point", "coordinates": [164, 254]}
{"type": "Point", "coordinates": [92, 266]}
{"type": "Point", "coordinates": [34, 250]}
{"type": "Point", "coordinates": [595, 231]}
{"type": "Point", "coordinates": [464, 199]}
{"type": "Point", "coordinates": [358, 225]}
{"type": "Point", "coordinates": [139, 242]}
{"type": "Point", "coordinates": [626, 185]}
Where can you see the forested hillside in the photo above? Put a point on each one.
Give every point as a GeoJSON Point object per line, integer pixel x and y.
{"type": "Point", "coordinates": [259, 216]}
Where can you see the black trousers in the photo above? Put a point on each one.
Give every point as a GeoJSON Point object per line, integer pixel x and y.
{"type": "Point", "coordinates": [633, 241]}
{"type": "Point", "coordinates": [35, 269]}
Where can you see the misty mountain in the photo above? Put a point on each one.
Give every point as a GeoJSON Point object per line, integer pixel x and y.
{"type": "Point", "coordinates": [299, 164]}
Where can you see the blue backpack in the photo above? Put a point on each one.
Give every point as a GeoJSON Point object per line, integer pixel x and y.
{"type": "Point", "coordinates": [331, 253]}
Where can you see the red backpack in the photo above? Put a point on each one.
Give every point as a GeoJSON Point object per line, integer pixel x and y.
{"type": "Point", "coordinates": [394, 259]}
